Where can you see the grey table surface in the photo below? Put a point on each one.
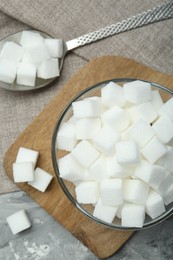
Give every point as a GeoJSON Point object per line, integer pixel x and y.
{"type": "Point", "coordinates": [47, 239]}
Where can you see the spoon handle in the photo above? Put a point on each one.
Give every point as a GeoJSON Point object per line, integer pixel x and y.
{"type": "Point", "coordinates": [158, 13]}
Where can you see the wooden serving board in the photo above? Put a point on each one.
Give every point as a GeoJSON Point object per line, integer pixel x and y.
{"type": "Point", "coordinates": [101, 240]}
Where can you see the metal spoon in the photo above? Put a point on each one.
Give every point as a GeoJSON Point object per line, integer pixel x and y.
{"type": "Point", "coordinates": [161, 12]}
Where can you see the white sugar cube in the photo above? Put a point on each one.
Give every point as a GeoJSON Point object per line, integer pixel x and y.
{"type": "Point", "coordinates": [156, 99]}
{"type": "Point", "coordinates": [153, 150]}
{"type": "Point", "coordinates": [165, 184]}
{"type": "Point", "coordinates": [143, 111]}
{"type": "Point", "coordinates": [41, 179]}
{"type": "Point", "coordinates": [30, 38]}
{"type": "Point", "coordinates": [98, 169]}
{"type": "Point", "coordinates": [154, 204]}
{"type": "Point", "coordinates": [27, 155]}
{"type": "Point", "coordinates": [26, 58]}
{"type": "Point", "coordinates": [119, 211]}
{"type": "Point", "coordinates": [133, 215]}
{"type": "Point", "coordinates": [23, 172]}
{"type": "Point", "coordinates": [87, 192]}
{"type": "Point", "coordinates": [8, 70]}
{"type": "Point", "coordinates": [135, 191]}
{"type": "Point", "coordinates": [168, 196]}
{"type": "Point", "coordinates": [55, 47]}
{"type": "Point", "coordinates": [167, 109]}
{"type": "Point", "coordinates": [12, 51]}
{"type": "Point", "coordinates": [18, 221]}
{"type": "Point", "coordinates": [116, 117]}
{"type": "Point", "coordinates": [127, 152]}
{"type": "Point", "coordinates": [166, 160]}
{"type": "Point", "coordinates": [26, 74]}
{"type": "Point", "coordinates": [87, 128]}
{"type": "Point", "coordinates": [48, 68]}
{"type": "Point", "coordinates": [38, 53]}
{"type": "Point", "coordinates": [105, 212]}
{"type": "Point", "coordinates": [105, 140]}
{"type": "Point", "coordinates": [70, 169]}
{"type": "Point", "coordinates": [101, 105]}
{"type": "Point", "coordinates": [66, 138]}
{"type": "Point", "coordinates": [85, 153]}
{"type": "Point", "coordinates": [87, 108]}
{"type": "Point", "coordinates": [111, 192]}
{"type": "Point", "coordinates": [116, 170]}
{"type": "Point", "coordinates": [141, 132]}
{"type": "Point", "coordinates": [163, 128]}
{"type": "Point", "coordinates": [153, 174]}
{"type": "Point", "coordinates": [137, 91]}
{"type": "Point", "coordinates": [112, 94]}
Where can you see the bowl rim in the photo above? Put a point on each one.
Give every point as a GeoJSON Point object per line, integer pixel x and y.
{"type": "Point", "coordinates": [152, 222]}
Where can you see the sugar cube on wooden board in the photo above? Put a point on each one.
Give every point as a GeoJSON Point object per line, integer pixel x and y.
{"type": "Point", "coordinates": [41, 179]}
{"type": "Point", "coordinates": [27, 155]}
{"type": "Point", "coordinates": [18, 221]}
{"type": "Point", "coordinates": [23, 171]}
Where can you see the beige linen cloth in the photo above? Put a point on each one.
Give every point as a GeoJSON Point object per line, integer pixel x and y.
{"type": "Point", "coordinates": [151, 45]}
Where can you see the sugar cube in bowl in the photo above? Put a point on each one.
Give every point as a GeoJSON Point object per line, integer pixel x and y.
{"type": "Point", "coordinates": [124, 177]}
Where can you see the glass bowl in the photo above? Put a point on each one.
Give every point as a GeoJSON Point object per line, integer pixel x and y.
{"type": "Point", "coordinates": [69, 188]}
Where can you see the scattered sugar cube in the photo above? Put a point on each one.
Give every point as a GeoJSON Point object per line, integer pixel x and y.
{"type": "Point", "coordinates": [18, 221]}
{"type": "Point", "coordinates": [168, 196]}
{"type": "Point", "coordinates": [137, 91]}
{"type": "Point", "coordinates": [111, 192]}
{"type": "Point", "coordinates": [127, 153]}
{"type": "Point", "coordinates": [153, 174]}
{"type": "Point", "coordinates": [163, 128]}
{"type": "Point", "coordinates": [8, 70]}
{"type": "Point", "coordinates": [104, 212]}
{"type": "Point", "coordinates": [154, 204]}
{"type": "Point", "coordinates": [166, 160]}
{"type": "Point", "coordinates": [27, 155]}
{"type": "Point", "coordinates": [55, 47]}
{"type": "Point", "coordinates": [12, 51]}
{"type": "Point", "coordinates": [167, 109]}
{"type": "Point", "coordinates": [116, 117]}
{"type": "Point", "coordinates": [38, 53]}
{"type": "Point", "coordinates": [41, 179]}
{"type": "Point", "coordinates": [23, 172]}
{"type": "Point", "coordinates": [133, 215]}
{"type": "Point", "coordinates": [135, 191]}
{"type": "Point", "coordinates": [143, 111]}
{"type": "Point", "coordinates": [153, 150]}
{"type": "Point", "coordinates": [29, 38]}
{"type": "Point", "coordinates": [87, 192]}
{"type": "Point", "coordinates": [87, 108]}
{"type": "Point", "coordinates": [165, 184]}
{"type": "Point", "coordinates": [141, 132]}
{"type": "Point", "coordinates": [87, 128]}
{"type": "Point", "coordinates": [70, 169]}
{"type": "Point", "coordinates": [66, 138]}
{"type": "Point", "coordinates": [98, 169]}
{"type": "Point", "coordinates": [85, 153]}
{"type": "Point", "coordinates": [156, 99]}
{"type": "Point", "coordinates": [26, 74]}
{"type": "Point", "coordinates": [105, 140]}
{"type": "Point", "coordinates": [112, 94]}
{"type": "Point", "coordinates": [48, 68]}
